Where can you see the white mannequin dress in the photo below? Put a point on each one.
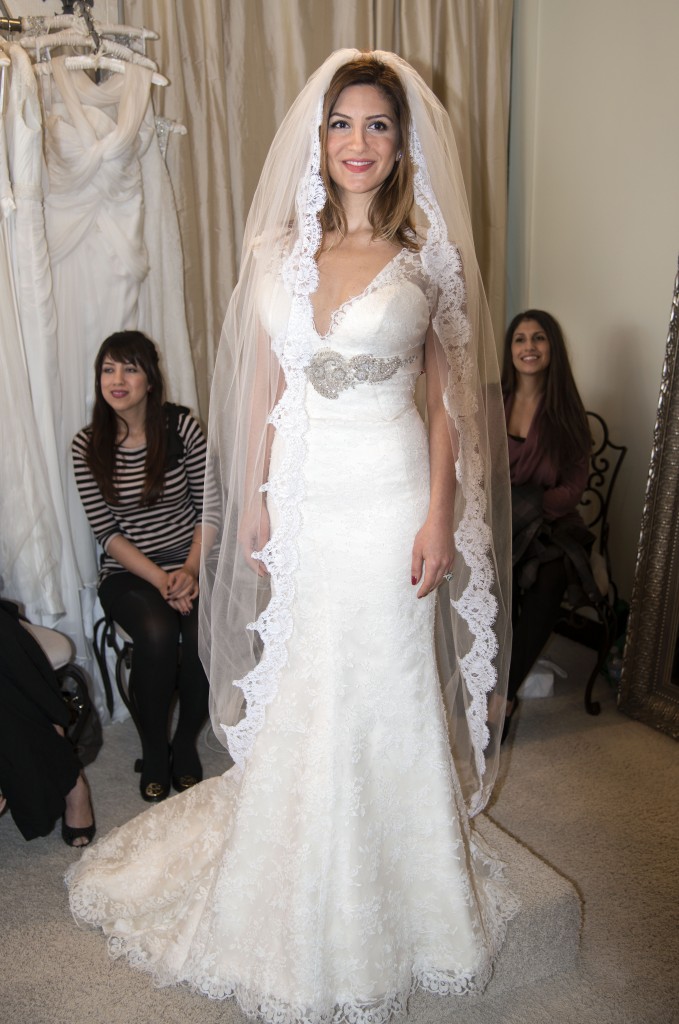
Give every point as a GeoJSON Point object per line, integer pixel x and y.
{"type": "Point", "coordinates": [337, 871]}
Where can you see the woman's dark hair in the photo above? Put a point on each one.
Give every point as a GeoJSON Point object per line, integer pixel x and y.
{"type": "Point", "coordinates": [128, 347]}
{"type": "Point", "coordinates": [562, 417]}
{"type": "Point", "coordinates": [391, 207]}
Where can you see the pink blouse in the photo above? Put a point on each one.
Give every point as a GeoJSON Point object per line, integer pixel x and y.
{"type": "Point", "coordinates": [529, 463]}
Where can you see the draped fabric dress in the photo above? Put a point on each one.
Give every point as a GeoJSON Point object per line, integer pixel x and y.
{"type": "Point", "coordinates": [36, 559]}
{"type": "Point", "coordinates": [337, 870]}
{"type": "Point", "coordinates": [94, 220]}
{"type": "Point", "coordinates": [162, 308]}
{"type": "Point", "coordinates": [98, 275]}
{"type": "Point", "coordinates": [95, 138]}
{"type": "Point", "coordinates": [90, 245]}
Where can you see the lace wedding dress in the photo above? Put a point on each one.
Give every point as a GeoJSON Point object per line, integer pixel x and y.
{"type": "Point", "coordinates": [337, 871]}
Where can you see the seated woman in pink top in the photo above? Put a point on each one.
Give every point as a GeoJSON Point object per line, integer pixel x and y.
{"type": "Point", "coordinates": [549, 444]}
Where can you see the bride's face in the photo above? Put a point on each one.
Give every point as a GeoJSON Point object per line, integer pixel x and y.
{"type": "Point", "coordinates": [363, 139]}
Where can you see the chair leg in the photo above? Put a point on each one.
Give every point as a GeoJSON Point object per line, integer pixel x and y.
{"type": "Point", "coordinates": [593, 707]}
{"type": "Point", "coordinates": [126, 691]}
{"type": "Point", "coordinates": [101, 628]}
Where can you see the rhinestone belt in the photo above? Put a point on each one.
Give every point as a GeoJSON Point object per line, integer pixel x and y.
{"type": "Point", "coordinates": [330, 373]}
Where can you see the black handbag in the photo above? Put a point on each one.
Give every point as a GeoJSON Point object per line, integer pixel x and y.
{"type": "Point", "coordinates": [80, 722]}
{"type": "Point", "coordinates": [84, 729]}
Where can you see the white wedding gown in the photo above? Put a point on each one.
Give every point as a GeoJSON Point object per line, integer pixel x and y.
{"type": "Point", "coordinates": [338, 870]}
{"type": "Point", "coordinates": [97, 219]}
{"type": "Point", "coordinates": [29, 540]}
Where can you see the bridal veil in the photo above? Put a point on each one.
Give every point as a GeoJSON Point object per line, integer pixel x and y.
{"type": "Point", "coordinates": [259, 385]}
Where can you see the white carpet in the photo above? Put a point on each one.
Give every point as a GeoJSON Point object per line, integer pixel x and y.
{"type": "Point", "coordinates": [594, 798]}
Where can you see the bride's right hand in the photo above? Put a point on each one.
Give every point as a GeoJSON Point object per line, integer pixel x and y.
{"type": "Point", "coordinates": [253, 534]}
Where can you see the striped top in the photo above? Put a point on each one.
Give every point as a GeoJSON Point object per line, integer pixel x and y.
{"type": "Point", "coordinates": [163, 531]}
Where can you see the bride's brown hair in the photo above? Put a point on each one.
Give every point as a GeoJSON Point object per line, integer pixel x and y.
{"type": "Point", "coordinates": [391, 207]}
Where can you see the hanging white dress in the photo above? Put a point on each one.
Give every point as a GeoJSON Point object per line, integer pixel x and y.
{"type": "Point", "coordinates": [37, 314]}
{"type": "Point", "coordinates": [337, 870]}
{"type": "Point", "coordinates": [30, 545]}
{"type": "Point", "coordinates": [162, 309]}
{"type": "Point", "coordinates": [94, 220]}
{"type": "Point", "coordinates": [95, 136]}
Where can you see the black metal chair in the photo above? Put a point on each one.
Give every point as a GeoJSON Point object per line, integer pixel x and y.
{"type": "Point", "coordinates": [605, 461]}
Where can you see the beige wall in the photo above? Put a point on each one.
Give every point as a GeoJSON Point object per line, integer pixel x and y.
{"type": "Point", "coordinates": [594, 208]}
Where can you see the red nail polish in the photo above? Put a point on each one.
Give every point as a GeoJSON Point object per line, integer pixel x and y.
{"type": "Point", "coordinates": [413, 580]}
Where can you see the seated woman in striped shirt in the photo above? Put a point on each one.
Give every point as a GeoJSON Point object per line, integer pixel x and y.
{"type": "Point", "coordinates": [139, 467]}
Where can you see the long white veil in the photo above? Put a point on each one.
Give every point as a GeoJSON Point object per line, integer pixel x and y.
{"type": "Point", "coordinates": [259, 385]}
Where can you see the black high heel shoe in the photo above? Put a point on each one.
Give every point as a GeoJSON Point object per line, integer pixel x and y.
{"type": "Point", "coordinates": [69, 834]}
{"type": "Point", "coordinates": [508, 720]}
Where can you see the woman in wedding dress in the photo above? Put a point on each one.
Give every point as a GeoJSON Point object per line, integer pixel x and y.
{"type": "Point", "coordinates": [352, 593]}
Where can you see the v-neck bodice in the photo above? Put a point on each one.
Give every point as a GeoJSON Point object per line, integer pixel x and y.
{"type": "Point", "coordinates": [388, 318]}
{"type": "Point", "coordinates": [337, 314]}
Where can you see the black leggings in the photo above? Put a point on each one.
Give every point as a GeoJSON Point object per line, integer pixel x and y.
{"type": "Point", "coordinates": [534, 615]}
{"type": "Point", "coordinates": [155, 628]}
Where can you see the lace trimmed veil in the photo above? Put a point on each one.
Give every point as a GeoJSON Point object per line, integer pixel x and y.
{"type": "Point", "coordinates": [259, 386]}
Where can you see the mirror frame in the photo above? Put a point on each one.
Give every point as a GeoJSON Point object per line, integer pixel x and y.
{"type": "Point", "coordinates": [646, 688]}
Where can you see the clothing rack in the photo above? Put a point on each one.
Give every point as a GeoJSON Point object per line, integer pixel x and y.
{"type": "Point", "coordinates": [8, 24]}
{"type": "Point", "coordinates": [68, 5]}
{"type": "Point", "coordinates": [83, 9]}
{"type": "Point", "coordinates": [111, 46]}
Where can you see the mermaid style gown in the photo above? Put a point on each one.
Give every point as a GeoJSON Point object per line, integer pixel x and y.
{"type": "Point", "coordinates": [338, 870]}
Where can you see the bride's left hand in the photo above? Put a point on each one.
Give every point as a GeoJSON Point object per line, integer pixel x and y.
{"type": "Point", "coordinates": [433, 553]}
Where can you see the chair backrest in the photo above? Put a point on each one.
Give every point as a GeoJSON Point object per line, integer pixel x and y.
{"type": "Point", "coordinates": [604, 466]}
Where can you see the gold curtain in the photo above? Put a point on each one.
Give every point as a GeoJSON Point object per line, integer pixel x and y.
{"type": "Point", "coordinates": [236, 65]}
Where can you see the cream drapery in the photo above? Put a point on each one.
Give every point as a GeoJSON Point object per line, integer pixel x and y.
{"type": "Point", "coordinates": [236, 65]}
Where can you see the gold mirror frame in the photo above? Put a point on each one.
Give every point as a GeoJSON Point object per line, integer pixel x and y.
{"type": "Point", "coordinates": [647, 689]}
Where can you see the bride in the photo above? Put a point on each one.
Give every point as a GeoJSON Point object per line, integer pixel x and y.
{"type": "Point", "coordinates": [353, 583]}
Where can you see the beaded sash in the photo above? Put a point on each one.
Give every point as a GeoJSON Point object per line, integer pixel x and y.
{"type": "Point", "coordinates": [330, 373]}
